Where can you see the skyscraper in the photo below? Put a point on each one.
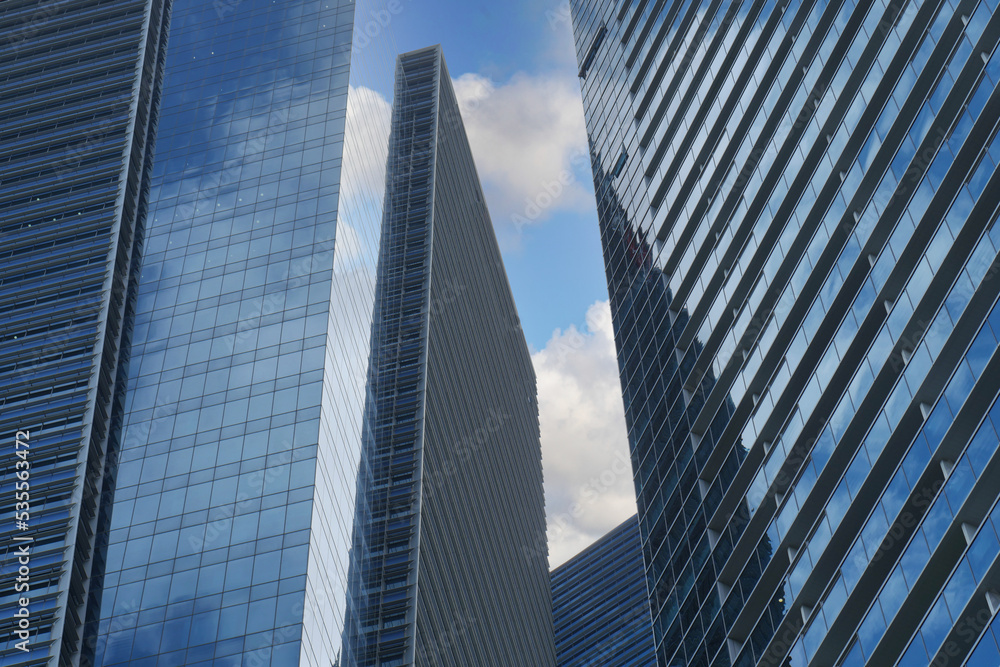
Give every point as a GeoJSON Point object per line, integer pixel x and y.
{"type": "Point", "coordinates": [79, 92]}
{"type": "Point", "coordinates": [797, 204]}
{"type": "Point", "coordinates": [599, 605]}
{"type": "Point", "coordinates": [231, 528]}
{"type": "Point", "coordinates": [450, 493]}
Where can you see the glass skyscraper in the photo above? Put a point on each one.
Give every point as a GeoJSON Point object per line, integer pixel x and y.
{"type": "Point", "coordinates": [797, 203]}
{"type": "Point", "coordinates": [599, 604]}
{"type": "Point", "coordinates": [231, 529]}
{"type": "Point", "coordinates": [450, 492]}
{"type": "Point", "coordinates": [79, 91]}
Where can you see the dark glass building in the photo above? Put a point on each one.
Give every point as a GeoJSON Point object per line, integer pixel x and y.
{"type": "Point", "coordinates": [79, 93]}
{"type": "Point", "coordinates": [231, 529]}
{"type": "Point", "coordinates": [599, 605]}
{"type": "Point", "coordinates": [797, 204]}
{"type": "Point", "coordinates": [450, 499]}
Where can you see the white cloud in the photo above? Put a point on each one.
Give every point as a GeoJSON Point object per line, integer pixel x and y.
{"type": "Point", "coordinates": [588, 475]}
{"type": "Point", "coordinates": [530, 144]}
{"type": "Point", "coordinates": [362, 181]}
{"type": "Point", "coordinates": [366, 143]}
{"type": "Point", "coordinates": [527, 135]}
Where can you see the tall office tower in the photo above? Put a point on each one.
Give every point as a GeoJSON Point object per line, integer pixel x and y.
{"type": "Point", "coordinates": [599, 604]}
{"type": "Point", "coordinates": [230, 533]}
{"type": "Point", "coordinates": [79, 91]}
{"type": "Point", "coordinates": [446, 569]}
{"type": "Point", "coordinates": [797, 204]}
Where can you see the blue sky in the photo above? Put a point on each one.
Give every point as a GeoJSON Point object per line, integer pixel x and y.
{"type": "Point", "coordinates": [514, 71]}
{"type": "Point", "coordinates": [554, 266]}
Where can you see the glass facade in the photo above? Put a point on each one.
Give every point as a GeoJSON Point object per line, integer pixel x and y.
{"type": "Point", "coordinates": [79, 91]}
{"type": "Point", "coordinates": [799, 232]}
{"type": "Point", "coordinates": [599, 604]}
{"type": "Point", "coordinates": [231, 528]}
{"type": "Point", "coordinates": [450, 489]}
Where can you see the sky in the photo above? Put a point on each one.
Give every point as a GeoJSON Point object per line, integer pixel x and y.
{"type": "Point", "coordinates": [515, 74]}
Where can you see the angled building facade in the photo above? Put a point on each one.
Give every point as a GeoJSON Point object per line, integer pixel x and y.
{"type": "Point", "coordinates": [797, 204]}
{"type": "Point", "coordinates": [450, 492]}
{"type": "Point", "coordinates": [599, 604]}
{"type": "Point", "coordinates": [79, 97]}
